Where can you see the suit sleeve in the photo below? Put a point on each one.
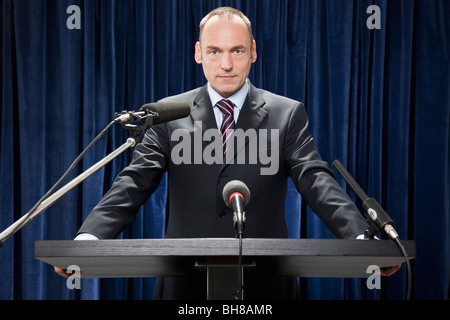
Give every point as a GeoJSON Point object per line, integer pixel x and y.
{"type": "Point", "coordinates": [315, 181]}
{"type": "Point", "coordinates": [132, 187]}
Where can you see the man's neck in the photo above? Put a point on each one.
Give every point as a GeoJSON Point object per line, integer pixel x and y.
{"type": "Point", "coordinates": [238, 97]}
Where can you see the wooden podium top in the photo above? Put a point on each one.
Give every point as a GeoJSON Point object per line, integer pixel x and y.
{"type": "Point", "coordinates": [171, 257]}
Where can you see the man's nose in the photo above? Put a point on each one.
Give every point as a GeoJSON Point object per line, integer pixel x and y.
{"type": "Point", "coordinates": [227, 63]}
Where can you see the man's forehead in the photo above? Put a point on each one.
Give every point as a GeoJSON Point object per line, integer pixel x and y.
{"type": "Point", "coordinates": [216, 25]}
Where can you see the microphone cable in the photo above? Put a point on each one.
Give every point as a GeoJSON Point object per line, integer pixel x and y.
{"type": "Point", "coordinates": [240, 271]}
{"type": "Point", "coordinates": [408, 269]}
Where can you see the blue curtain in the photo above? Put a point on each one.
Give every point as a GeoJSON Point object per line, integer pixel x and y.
{"type": "Point", "coordinates": [378, 100]}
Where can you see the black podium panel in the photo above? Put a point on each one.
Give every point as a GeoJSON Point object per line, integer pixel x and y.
{"type": "Point", "coordinates": [173, 257]}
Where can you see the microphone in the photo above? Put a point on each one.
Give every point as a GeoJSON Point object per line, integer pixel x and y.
{"type": "Point", "coordinates": [158, 112]}
{"type": "Point", "coordinates": [236, 195]}
{"type": "Point", "coordinates": [378, 217]}
{"type": "Point", "coordinates": [167, 111]}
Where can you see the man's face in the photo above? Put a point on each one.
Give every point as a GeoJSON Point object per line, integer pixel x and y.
{"type": "Point", "coordinates": [226, 53]}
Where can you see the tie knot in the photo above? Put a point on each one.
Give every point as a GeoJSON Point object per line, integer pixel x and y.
{"type": "Point", "coordinates": [225, 106]}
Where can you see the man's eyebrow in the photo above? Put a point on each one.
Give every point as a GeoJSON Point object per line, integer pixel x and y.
{"type": "Point", "coordinates": [212, 48]}
{"type": "Point", "coordinates": [239, 47]}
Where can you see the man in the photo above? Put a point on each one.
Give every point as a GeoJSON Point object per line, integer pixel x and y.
{"type": "Point", "coordinates": [226, 49]}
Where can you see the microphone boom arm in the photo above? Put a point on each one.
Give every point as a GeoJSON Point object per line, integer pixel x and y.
{"type": "Point", "coordinates": [25, 219]}
{"type": "Point", "coordinates": [378, 218]}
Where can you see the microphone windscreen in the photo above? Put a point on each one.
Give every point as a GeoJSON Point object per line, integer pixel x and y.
{"type": "Point", "coordinates": [235, 186]}
{"type": "Point", "coordinates": [168, 111]}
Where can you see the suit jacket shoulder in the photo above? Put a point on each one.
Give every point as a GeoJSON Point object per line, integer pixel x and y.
{"type": "Point", "coordinates": [188, 97]}
{"type": "Point", "coordinates": [270, 96]}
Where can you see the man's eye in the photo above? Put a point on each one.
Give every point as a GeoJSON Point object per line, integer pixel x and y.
{"type": "Point", "coordinates": [213, 52]}
{"type": "Point", "coordinates": [238, 51]}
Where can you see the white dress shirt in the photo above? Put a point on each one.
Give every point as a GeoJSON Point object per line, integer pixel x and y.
{"type": "Point", "coordinates": [238, 99]}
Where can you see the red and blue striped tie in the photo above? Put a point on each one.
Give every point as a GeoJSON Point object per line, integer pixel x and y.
{"type": "Point", "coordinates": [227, 109]}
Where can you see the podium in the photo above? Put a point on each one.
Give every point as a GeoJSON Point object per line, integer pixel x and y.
{"type": "Point", "coordinates": [335, 258]}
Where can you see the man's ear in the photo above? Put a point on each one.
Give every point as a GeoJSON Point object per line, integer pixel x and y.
{"type": "Point", "coordinates": [198, 53]}
{"type": "Point", "coordinates": [254, 55]}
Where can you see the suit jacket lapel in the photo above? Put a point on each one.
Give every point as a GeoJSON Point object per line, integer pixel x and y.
{"type": "Point", "coordinates": [251, 116]}
{"type": "Point", "coordinates": [202, 110]}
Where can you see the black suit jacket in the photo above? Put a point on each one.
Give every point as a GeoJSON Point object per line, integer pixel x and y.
{"type": "Point", "coordinates": [195, 204]}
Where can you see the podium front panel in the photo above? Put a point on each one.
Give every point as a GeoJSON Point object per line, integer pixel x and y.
{"type": "Point", "coordinates": [175, 257]}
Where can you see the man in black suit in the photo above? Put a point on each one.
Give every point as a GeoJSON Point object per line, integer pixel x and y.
{"type": "Point", "coordinates": [276, 145]}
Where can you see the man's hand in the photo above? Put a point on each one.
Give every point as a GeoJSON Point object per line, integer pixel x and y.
{"type": "Point", "coordinates": [388, 271]}
{"type": "Point", "coordinates": [62, 272]}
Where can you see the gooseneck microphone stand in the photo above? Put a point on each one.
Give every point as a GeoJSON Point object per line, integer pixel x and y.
{"type": "Point", "coordinates": [127, 120]}
{"type": "Point", "coordinates": [378, 218]}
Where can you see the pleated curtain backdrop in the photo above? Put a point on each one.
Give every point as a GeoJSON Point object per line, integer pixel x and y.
{"type": "Point", "coordinates": [378, 100]}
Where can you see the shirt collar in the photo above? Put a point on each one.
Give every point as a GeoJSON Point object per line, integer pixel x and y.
{"type": "Point", "coordinates": [237, 98]}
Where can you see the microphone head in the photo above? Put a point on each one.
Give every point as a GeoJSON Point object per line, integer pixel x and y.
{"type": "Point", "coordinates": [235, 186]}
{"type": "Point", "coordinates": [168, 111]}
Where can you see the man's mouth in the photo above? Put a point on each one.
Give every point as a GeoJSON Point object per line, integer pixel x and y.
{"type": "Point", "coordinates": [226, 77]}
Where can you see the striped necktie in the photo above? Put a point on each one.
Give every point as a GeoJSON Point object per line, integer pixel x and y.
{"type": "Point", "coordinates": [227, 109]}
